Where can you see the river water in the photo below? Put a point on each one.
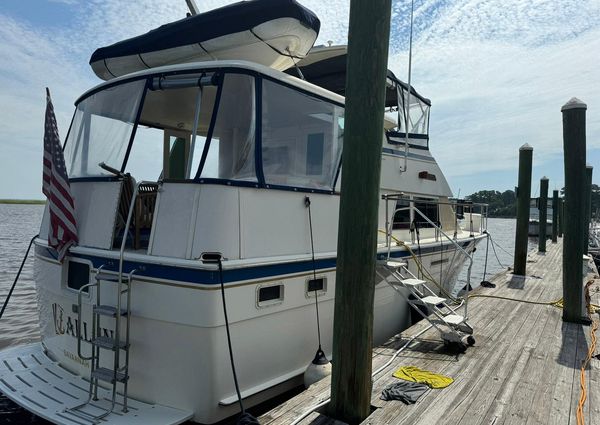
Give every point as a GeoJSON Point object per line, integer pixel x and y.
{"type": "Point", "coordinates": [19, 223]}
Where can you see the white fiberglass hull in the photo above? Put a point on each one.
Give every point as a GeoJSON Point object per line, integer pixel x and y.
{"type": "Point", "coordinates": [178, 354]}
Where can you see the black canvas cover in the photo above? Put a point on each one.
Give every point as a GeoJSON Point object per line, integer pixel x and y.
{"type": "Point", "coordinates": [234, 18]}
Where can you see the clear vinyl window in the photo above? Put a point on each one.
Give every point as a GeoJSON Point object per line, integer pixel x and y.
{"type": "Point", "coordinates": [301, 138]}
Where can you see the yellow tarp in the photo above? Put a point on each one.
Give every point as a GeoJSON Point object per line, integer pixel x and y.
{"type": "Point", "coordinates": [414, 374]}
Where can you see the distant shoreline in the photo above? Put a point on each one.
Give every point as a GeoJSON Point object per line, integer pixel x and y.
{"type": "Point", "coordinates": [23, 201]}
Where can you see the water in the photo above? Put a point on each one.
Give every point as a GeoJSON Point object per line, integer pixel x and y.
{"type": "Point", "coordinates": [502, 232]}
{"type": "Point", "coordinates": [18, 223]}
{"type": "Point", "coordinates": [19, 324]}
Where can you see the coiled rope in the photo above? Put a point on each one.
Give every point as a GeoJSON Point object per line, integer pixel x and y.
{"type": "Point", "coordinates": [583, 395]}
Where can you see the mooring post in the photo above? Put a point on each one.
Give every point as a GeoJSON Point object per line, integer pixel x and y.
{"type": "Point", "coordinates": [523, 199]}
{"type": "Point", "coordinates": [543, 208]}
{"type": "Point", "coordinates": [368, 38]}
{"type": "Point", "coordinates": [555, 216]}
{"type": "Point", "coordinates": [561, 217]}
{"type": "Point", "coordinates": [573, 116]}
{"type": "Point", "coordinates": [587, 209]}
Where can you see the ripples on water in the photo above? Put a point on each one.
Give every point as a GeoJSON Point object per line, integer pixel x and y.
{"type": "Point", "coordinates": [18, 223]}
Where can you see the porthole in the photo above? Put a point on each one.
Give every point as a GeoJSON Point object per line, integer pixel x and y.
{"type": "Point", "coordinates": [318, 286]}
{"type": "Point", "coordinates": [268, 295]}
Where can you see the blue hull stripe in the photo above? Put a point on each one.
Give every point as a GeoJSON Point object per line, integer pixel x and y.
{"type": "Point", "coordinates": [209, 277]}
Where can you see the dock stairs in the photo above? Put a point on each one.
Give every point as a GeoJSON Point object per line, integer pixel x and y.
{"type": "Point", "coordinates": [453, 327]}
{"type": "Point", "coordinates": [109, 344]}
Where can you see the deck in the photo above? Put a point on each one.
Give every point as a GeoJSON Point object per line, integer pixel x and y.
{"type": "Point", "coordinates": [523, 369]}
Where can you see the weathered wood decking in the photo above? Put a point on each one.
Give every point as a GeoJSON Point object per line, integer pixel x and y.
{"type": "Point", "coordinates": [523, 369]}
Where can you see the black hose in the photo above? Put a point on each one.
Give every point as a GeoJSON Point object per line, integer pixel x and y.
{"type": "Point", "coordinates": [245, 418]}
{"type": "Point", "coordinates": [17, 277]}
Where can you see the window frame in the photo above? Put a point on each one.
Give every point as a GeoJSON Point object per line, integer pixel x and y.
{"type": "Point", "coordinates": [221, 71]}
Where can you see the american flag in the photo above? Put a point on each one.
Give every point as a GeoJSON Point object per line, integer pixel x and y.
{"type": "Point", "coordinates": [63, 228]}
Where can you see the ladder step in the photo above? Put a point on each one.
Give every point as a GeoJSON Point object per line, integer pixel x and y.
{"type": "Point", "coordinates": [109, 277]}
{"type": "Point", "coordinates": [412, 282]}
{"type": "Point", "coordinates": [394, 265]}
{"type": "Point", "coordinates": [454, 319]}
{"type": "Point", "coordinates": [108, 343]}
{"type": "Point", "coordinates": [432, 300]}
{"type": "Point", "coordinates": [108, 310]}
{"type": "Point", "coordinates": [107, 375]}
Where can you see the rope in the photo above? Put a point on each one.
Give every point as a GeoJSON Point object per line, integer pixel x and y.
{"type": "Point", "coordinates": [422, 270]}
{"type": "Point", "coordinates": [583, 395]}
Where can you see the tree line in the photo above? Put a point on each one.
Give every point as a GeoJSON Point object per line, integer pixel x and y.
{"type": "Point", "coordinates": [504, 204]}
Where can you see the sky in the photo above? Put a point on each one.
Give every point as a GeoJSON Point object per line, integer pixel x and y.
{"type": "Point", "coordinates": [497, 73]}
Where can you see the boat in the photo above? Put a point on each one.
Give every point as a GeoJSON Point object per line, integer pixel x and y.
{"type": "Point", "coordinates": [534, 218]}
{"type": "Point", "coordinates": [213, 186]}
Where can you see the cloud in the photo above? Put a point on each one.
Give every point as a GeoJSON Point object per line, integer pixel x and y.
{"type": "Point", "coordinates": [497, 72]}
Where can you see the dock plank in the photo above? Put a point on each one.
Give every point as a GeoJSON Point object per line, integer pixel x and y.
{"type": "Point", "coordinates": [523, 369]}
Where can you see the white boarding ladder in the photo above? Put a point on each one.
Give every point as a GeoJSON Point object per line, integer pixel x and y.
{"type": "Point", "coordinates": [113, 341]}
{"type": "Point", "coordinates": [453, 327]}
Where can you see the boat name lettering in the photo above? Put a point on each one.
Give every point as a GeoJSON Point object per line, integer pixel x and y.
{"type": "Point", "coordinates": [76, 358]}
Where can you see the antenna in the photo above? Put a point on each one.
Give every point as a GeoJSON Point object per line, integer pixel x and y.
{"type": "Point", "coordinates": [191, 4]}
{"type": "Point", "coordinates": [407, 104]}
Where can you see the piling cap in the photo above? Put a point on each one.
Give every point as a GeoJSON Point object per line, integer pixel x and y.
{"type": "Point", "coordinates": [526, 147]}
{"type": "Point", "coordinates": [588, 165]}
{"type": "Point", "coordinates": [544, 178]}
{"type": "Point", "coordinates": [574, 103]}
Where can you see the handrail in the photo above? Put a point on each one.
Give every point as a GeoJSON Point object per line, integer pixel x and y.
{"type": "Point", "coordinates": [453, 241]}
{"type": "Point", "coordinates": [80, 323]}
{"type": "Point", "coordinates": [120, 285]}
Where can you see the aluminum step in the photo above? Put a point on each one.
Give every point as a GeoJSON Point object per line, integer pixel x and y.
{"type": "Point", "coordinates": [108, 343]}
{"type": "Point", "coordinates": [432, 300]}
{"type": "Point", "coordinates": [39, 384]}
{"type": "Point", "coordinates": [108, 375]}
{"type": "Point", "coordinates": [412, 282]}
{"type": "Point", "coordinates": [394, 265]}
{"type": "Point", "coordinates": [108, 310]}
{"type": "Point", "coordinates": [110, 277]}
{"type": "Point", "coordinates": [454, 319]}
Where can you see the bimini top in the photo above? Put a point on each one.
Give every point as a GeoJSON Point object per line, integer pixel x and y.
{"type": "Point", "coordinates": [325, 66]}
{"type": "Point", "coordinates": [274, 33]}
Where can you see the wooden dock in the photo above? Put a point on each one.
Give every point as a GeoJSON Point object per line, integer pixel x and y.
{"type": "Point", "coordinates": [523, 369]}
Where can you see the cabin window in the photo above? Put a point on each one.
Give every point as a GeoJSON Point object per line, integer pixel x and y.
{"type": "Point", "coordinates": [429, 208]}
{"type": "Point", "coordinates": [314, 154]}
{"type": "Point", "coordinates": [318, 286]}
{"type": "Point", "coordinates": [269, 295]}
{"type": "Point", "coordinates": [78, 274]}
{"type": "Point", "coordinates": [402, 218]}
{"type": "Point", "coordinates": [301, 138]}
{"type": "Point", "coordinates": [101, 129]}
{"type": "Point", "coordinates": [173, 109]}
{"type": "Point", "coordinates": [230, 154]}
{"type": "Point", "coordinates": [418, 117]}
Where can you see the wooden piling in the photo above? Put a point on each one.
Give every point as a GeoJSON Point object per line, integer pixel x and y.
{"type": "Point", "coordinates": [543, 217]}
{"type": "Point", "coordinates": [555, 206]}
{"type": "Point", "coordinates": [561, 217]}
{"type": "Point", "coordinates": [573, 116]}
{"type": "Point", "coordinates": [587, 209]}
{"type": "Point", "coordinates": [368, 38]}
{"type": "Point", "coordinates": [523, 199]}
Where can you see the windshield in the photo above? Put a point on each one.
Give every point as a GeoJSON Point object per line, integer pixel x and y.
{"type": "Point", "coordinates": [101, 129]}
